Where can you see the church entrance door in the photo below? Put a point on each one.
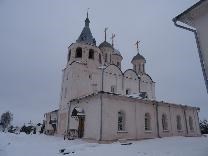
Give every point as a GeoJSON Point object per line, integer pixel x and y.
{"type": "Point", "coordinates": [81, 127]}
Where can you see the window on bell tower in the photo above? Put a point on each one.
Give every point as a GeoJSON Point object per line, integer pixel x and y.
{"type": "Point", "coordinates": [78, 52]}
{"type": "Point", "coordinates": [91, 54]}
{"type": "Point", "coordinates": [100, 60]}
{"type": "Point", "coordinates": [106, 57]}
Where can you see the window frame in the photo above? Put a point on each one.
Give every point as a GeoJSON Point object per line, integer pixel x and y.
{"type": "Point", "coordinates": [121, 124]}
{"type": "Point", "coordinates": [191, 127]}
{"type": "Point", "coordinates": [147, 122]}
{"type": "Point", "coordinates": [178, 123]}
{"type": "Point", "coordinates": [164, 122]}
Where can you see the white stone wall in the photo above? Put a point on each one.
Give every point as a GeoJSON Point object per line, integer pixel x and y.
{"type": "Point", "coordinates": [62, 121]}
{"type": "Point", "coordinates": [201, 24]}
{"type": "Point", "coordinates": [91, 107]}
{"type": "Point", "coordinates": [134, 115]}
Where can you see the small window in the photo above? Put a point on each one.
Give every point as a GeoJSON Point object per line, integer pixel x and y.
{"type": "Point", "coordinates": [128, 91]}
{"type": "Point", "coordinates": [78, 52]}
{"type": "Point", "coordinates": [191, 123]}
{"type": "Point", "coordinates": [113, 89]}
{"type": "Point", "coordinates": [164, 122]}
{"type": "Point", "coordinates": [106, 57]}
{"type": "Point", "coordinates": [91, 54]}
{"type": "Point", "coordinates": [90, 76]}
{"type": "Point", "coordinates": [100, 60]}
{"type": "Point", "coordinates": [143, 68]}
{"type": "Point", "coordinates": [178, 120]}
{"type": "Point", "coordinates": [118, 64]}
{"type": "Point", "coordinates": [135, 67]}
{"type": "Point", "coordinates": [121, 121]}
{"type": "Point", "coordinates": [147, 122]}
{"type": "Point", "coordinates": [69, 55]}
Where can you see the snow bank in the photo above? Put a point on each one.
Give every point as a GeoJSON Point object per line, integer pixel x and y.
{"type": "Point", "coordinates": [42, 145]}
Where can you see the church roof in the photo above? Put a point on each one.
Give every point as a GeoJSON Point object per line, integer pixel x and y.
{"type": "Point", "coordinates": [105, 44]}
{"type": "Point", "coordinates": [138, 57]}
{"type": "Point", "coordinates": [86, 35]}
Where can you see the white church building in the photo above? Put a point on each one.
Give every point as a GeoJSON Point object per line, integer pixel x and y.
{"type": "Point", "coordinates": [101, 102]}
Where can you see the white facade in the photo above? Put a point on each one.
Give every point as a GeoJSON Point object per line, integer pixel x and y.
{"type": "Point", "coordinates": [101, 118]}
{"type": "Point", "coordinates": [101, 102]}
{"type": "Point", "coordinates": [197, 17]}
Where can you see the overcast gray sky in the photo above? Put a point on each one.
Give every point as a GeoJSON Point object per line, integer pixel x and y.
{"type": "Point", "coordinates": [35, 34]}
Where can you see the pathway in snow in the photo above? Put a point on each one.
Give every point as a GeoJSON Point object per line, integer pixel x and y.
{"type": "Point", "coordinates": [41, 145]}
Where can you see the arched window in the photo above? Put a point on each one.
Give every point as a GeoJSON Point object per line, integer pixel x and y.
{"type": "Point", "coordinates": [178, 120]}
{"type": "Point", "coordinates": [78, 52]}
{"type": "Point", "coordinates": [143, 68]}
{"type": "Point", "coordinates": [106, 57]}
{"type": "Point", "coordinates": [191, 123]}
{"type": "Point", "coordinates": [69, 55]}
{"type": "Point", "coordinates": [147, 122]}
{"type": "Point", "coordinates": [164, 122]}
{"type": "Point", "coordinates": [118, 64]}
{"type": "Point", "coordinates": [121, 121]}
{"type": "Point", "coordinates": [113, 89]}
{"type": "Point", "coordinates": [100, 60]}
{"type": "Point", "coordinates": [128, 91]}
{"type": "Point", "coordinates": [91, 54]}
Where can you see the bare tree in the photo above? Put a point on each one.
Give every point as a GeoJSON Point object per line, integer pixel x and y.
{"type": "Point", "coordinates": [6, 119]}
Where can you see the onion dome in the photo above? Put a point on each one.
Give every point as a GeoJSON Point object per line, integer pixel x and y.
{"type": "Point", "coordinates": [138, 57]}
{"type": "Point", "coordinates": [105, 44]}
{"type": "Point", "coordinates": [116, 52]}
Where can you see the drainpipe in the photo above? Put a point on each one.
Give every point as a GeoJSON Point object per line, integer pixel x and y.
{"type": "Point", "coordinates": [184, 111]}
{"type": "Point", "coordinates": [158, 132]}
{"type": "Point", "coordinates": [198, 47]}
{"type": "Point", "coordinates": [101, 107]}
{"type": "Point", "coordinates": [171, 128]}
{"type": "Point", "coordinates": [197, 110]}
{"type": "Point", "coordinates": [69, 106]}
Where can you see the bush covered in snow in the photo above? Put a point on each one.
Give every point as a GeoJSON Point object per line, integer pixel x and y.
{"type": "Point", "coordinates": [6, 119]}
{"type": "Point", "coordinates": [204, 126]}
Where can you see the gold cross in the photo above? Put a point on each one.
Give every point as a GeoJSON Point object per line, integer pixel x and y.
{"type": "Point", "coordinates": [137, 44]}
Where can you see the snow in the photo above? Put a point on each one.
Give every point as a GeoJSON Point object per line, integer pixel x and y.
{"type": "Point", "coordinates": [42, 145]}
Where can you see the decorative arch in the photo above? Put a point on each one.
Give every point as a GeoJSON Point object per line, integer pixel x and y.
{"type": "Point", "coordinates": [133, 71]}
{"type": "Point", "coordinates": [143, 75]}
{"type": "Point", "coordinates": [113, 65]}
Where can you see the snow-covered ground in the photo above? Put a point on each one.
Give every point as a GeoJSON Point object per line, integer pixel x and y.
{"type": "Point", "coordinates": [41, 145]}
